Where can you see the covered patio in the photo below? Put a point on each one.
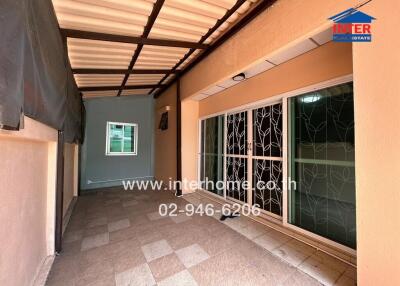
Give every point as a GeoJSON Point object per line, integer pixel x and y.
{"type": "Point", "coordinates": [199, 142]}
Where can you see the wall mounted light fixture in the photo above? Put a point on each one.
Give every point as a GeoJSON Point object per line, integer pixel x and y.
{"type": "Point", "coordinates": [239, 77]}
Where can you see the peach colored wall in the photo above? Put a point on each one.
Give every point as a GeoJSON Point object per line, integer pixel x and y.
{"type": "Point", "coordinates": [69, 176]}
{"type": "Point", "coordinates": [24, 197]}
{"type": "Point", "coordinates": [326, 62]}
{"type": "Point", "coordinates": [285, 22]}
{"type": "Point", "coordinates": [377, 105]}
{"type": "Point", "coordinates": [190, 132]}
{"type": "Point", "coordinates": [165, 141]}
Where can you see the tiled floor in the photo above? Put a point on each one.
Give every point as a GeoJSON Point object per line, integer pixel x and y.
{"type": "Point", "coordinates": [118, 238]}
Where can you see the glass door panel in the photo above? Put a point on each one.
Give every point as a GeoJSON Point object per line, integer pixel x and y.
{"type": "Point", "coordinates": [322, 163]}
{"type": "Point", "coordinates": [211, 155]}
{"type": "Point", "coordinates": [236, 156]}
{"type": "Point", "coordinates": [267, 158]}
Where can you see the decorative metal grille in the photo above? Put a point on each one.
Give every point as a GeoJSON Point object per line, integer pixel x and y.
{"type": "Point", "coordinates": [267, 171]}
{"type": "Point", "coordinates": [236, 174]}
{"type": "Point", "coordinates": [269, 193]}
{"type": "Point", "coordinates": [236, 134]}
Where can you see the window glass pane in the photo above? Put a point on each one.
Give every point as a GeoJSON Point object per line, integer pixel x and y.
{"type": "Point", "coordinates": [116, 137]}
{"type": "Point", "coordinates": [212, 132]}
{"type": "Point", "coordinates": [322, 163]}
{"type": "Point", "coordinates": [129, 139]}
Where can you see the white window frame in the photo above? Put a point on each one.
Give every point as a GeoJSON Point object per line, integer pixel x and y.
{"type": "Point", "coordinates": [135, 139]}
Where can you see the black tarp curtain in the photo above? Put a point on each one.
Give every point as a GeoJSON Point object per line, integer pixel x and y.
{"type": "Point", "coordinates": [35, 74]}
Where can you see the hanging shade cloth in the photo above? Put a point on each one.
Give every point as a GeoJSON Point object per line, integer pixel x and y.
{"type": "Point", "coordinates": [35, 73]}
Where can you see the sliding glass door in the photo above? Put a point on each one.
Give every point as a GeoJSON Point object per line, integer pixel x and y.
{"type": "Point", "coordinates": [253, 156]}
{"type": "Point", "coordinates": [322, 163]}
{"type": "Point", "coordinates": [311, 185]}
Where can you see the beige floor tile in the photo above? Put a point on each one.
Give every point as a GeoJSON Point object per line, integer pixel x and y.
{"type": "Point", "coordinates": [95, 241]}
{"type": "Point", "coordinates": [116, 249]}
{"type": "Point", "coordinates": [166, 266]}
{"type": "Point", "coordinates": [211, 269]}
{"type": "Point", "coordinates": [95, 230]}
{"type": "Point", "coordinates": [60, 282]}
{"type": "Point", "coordinates": [111, 202]}
{"type": "Point", "coordinates": [148, 236]}
{"type": "Point", "coordinates": [71, 236]}
{"type": "Point", "coordinates": [123, 234]}
{"type": "Point", "coordinates": [71, 248]}
{"type": "Point", "coordinates": [155, 216]}
{"type": "Point", "coordinates": [299, 278]}
{"type": "Point", "coordinates": [246, 276]}
{"type": "Point", "coordinates": [138, 276]}
{"type": "Point", "coordinates": [94, 272]}
{"type": "Point", "coordinates": [92, 255]}
{"type": "Point", "coordinates": [101, 280]}
{"type": "Point", "coordinates": [330, 261]}
{"type": "Point", "coordinates": [96, 222]}
{"type": "Point", "coordinates": [278, 271]}
{"type": "Point", "coordinates": [192, 255]}
{"type": "Point", "coordinates": [345, 281]}
{"type": "Point", "coordinates": [232, 259]}
{"type": "Point", "coordinates": [319, 271]}
{"type": "Point", "coordinates": [180, 218]}
{"type": "Point", "coordinates": [302, 247]}
{"type": "Point", "coordinates": [128, 260]}
{"type": "Point", "coordinates": [290, 254]}
{"type": "Point", "coordinates": [252, 230]}
{"type": "Point", "coordinates": [142, 197]}
{"type": "Point", "coordinates": [351, 272]}
{"type": "Point", "coordinates": [272, 240]}
{"type": "Point", "coordinates": [129, 203]}
{"type": "Point", "coordinates": [64, 269]}
{"type": "Point", "coordinates": [118, 225]}
{"type": "Point", "coordinates": [183, 278]}
{"type": "Point", "coordinates": [156, 250]}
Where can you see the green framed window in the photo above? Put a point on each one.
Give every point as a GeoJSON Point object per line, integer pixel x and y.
{"type": "Point", "coordinates": [121, 139]}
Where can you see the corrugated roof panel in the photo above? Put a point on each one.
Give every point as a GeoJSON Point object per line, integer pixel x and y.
{"type": "Point", "coordinates": [128, 92]}
{"type": "Point", "coordinates": [99, 65]}
{"type": "Point", "coordinates": [179, 15]}
{"type": "Point", "coordinates": [186, 20]}
{"type": "Point", "coordinates": [98, 79]}
{"type": "Point", "coordinates": [137, 79]}
{"type": "Point", "coordinates": [198, 7]}
{"type": "Point", "coordinates": [134, 6]}
{"type": "Point", "coordinates": [180, 27]}
{"type": "Point", "coordinates": [100, 44]}
{"type": "Point", "coordinates": [90, 54]}
{"type": "Point", "coordinates": [92, 94]}
{"type": "Point", "coordinates": [222, 3]}
{"type": "Point", "coordinates": [76, 8]}
{"type": "Point", "coordinates": [70, 21]}
{"type": "Point", "coordinates": [98, 56]}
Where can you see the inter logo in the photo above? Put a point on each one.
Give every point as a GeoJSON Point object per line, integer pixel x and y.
{"type": "Point", "coordinates": [352, 26]}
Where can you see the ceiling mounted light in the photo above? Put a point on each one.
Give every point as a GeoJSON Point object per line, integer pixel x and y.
{"type": "Point", "coordinates": [311, 98]}
{"type": "Point", "coordinates": [239, 77]}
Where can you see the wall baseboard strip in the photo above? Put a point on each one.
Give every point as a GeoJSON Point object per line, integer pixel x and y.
{"type": "Point", "coordinates": [43, 272]}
